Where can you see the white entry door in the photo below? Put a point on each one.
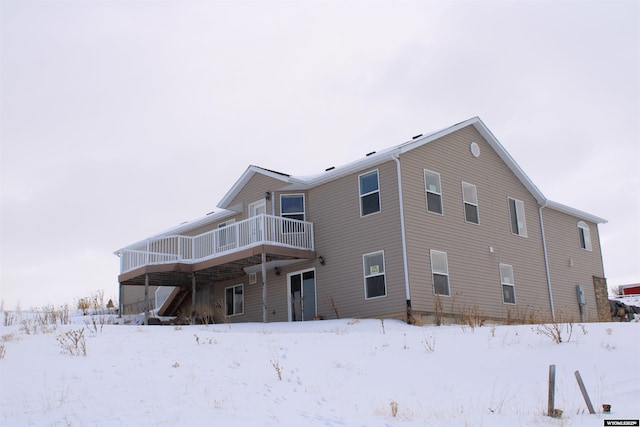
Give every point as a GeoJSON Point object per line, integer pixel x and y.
{"type": "Point", "coordinates": [255, 209]}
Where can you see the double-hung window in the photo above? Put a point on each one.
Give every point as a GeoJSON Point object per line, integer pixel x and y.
{"type": "Point", "coordinates": [292, 207]}
{"type": "Point", "coordinates": [434, 191]}
{"type": "Point", "coordinates": [518, 221]}
{"type": "Point", "coordinates": [470, 200]}
{"type": "Point", "coordinates": [234, 300]}
{"type": "Point", "coordinates": [440, 272]}
{"type": "Point", "coordinates": [369, 193]}
{"type": "Point", "coordinates": [508, 284]}
{"type": "Point", "coordinates": [585, 236]}
{"type": "Point", "coordinates": [374, 276]}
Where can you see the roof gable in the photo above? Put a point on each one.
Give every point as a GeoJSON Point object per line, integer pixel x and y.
{"type": "Point", "coordinates": [376, 158]}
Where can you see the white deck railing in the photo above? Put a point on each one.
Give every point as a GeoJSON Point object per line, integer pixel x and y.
{"type": "Point", "coordinates": [261, 229]}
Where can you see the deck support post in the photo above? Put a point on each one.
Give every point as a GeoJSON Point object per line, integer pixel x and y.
{"type": "Point", "coordinates": [193, 298]}
{"type": "Point", "coordinates": [264, 287]}
{"type": "Point", "coordinates": [120, 299]}
{"type": "Point", "coordinates": [146, 299]}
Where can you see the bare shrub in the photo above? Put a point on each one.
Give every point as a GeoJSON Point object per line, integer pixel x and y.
{"type": "Point", "coordinates": [438, 311]}
{"type": "Point", "coordinates": [73, 342]}
{"type": "Point", "coordinates": [471, 316]}
{"type": "Point", "coordinates": [557, 329]}
{"type": "Point", "coordinates": [9, 318]}
{"type": "Point", "coordinates": [276, 365]}
{"type": "Point", "coordinates": [84, 304]}
{"type": "Point", "coordinates": [96, 324]}
{"type": "Point", "coordinates": [429, 344]}
{"type": "Point", "coordinates": [334, 308]}
{"type": "Point", "coordinates": [97, 300]}
{"type": "Point", "coordinates": [222, 309]}
{"type": "Point", "coordinates": [3, 351]}
{"type": "Point", "coordinates": [394, 408]}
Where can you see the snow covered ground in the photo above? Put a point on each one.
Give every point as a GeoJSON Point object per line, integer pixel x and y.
{"type": "Point", "coordinates": [345, 372]}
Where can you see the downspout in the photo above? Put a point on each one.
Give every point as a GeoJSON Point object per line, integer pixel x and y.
{"type": "Point", "coordinates": [546, 259]}
{"type": "Point", "coordinates": [403, 234]}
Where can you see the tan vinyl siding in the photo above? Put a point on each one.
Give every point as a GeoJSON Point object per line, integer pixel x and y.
{"type": "Point", "coordinates": [474, 273]}
{"type": "Point", "coordinates": [342, 237]}
{"type": "Point", "coordinates": [570, 265]}
{"type": "Point", "coordinates": [255, 190]}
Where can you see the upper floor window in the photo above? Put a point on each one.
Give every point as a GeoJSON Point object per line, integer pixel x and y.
{"type": "Point", "coordinates": [518, 221]}
{"type": "Point", "coordinates": [434, 191]}
{"type": "Point", "coordinates": [369, 193]}
{"type": "Point", "coordinates": [374, 276]}
{"type": "Point", "coordinates": [585, 236]}
{"type": "Point", "coordinates": [470, 200]}
{"type": "Point", "coordinates": [292, 206]}
{"type": "Point", "coordinates": [234, 300]}
{"type": "Point", "coordinates": [440, 271]}
{"type": "Point", "coordinates": [508, 284]}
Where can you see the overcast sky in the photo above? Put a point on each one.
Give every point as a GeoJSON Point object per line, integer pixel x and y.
{"type": "Point", "coordinates": [122, 119]}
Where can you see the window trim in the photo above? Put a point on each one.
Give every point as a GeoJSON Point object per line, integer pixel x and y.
{"type": "Point", "coordinates": [366, 276]}
{"type": "Point", "coordinates": [361, 195]}
{"type": "Point", "coordinates": [465, 202]}
{"type": "Point", "coordinates": [226, 302]}
{"type": "Point", "coordinates": [433, 272]}
{"type": "Point", "coordinates": [304, 207]}
{"type": "Point", "coordinates": [503, 284]}
{"type": "Point", "coordinates": [584, 236]}
{"type": "Point", "coordinates": [520, 217]}
{"type": "Point", "coordinates": [439, 194]}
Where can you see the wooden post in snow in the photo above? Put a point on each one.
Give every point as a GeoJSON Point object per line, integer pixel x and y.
{"type": "Point", "coordinates": [264, 287]}
{"type": "Point", "coordinates": [146, 299]}
{"type": "Point", "coordinates": [552, 389]}
{"type": "Point", "coordinates": [583, 389]}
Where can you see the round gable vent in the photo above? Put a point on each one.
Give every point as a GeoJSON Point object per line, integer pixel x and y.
{"type": "Point", "coordinates": [475, 149]}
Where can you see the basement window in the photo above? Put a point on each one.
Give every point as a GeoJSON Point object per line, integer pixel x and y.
{"type": "Point", "coordinates": [508, 285]}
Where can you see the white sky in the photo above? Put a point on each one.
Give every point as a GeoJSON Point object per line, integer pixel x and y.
{"type": "Point", "coordinates": [121, 119]}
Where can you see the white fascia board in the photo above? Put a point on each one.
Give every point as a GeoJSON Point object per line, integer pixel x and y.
{"type": "Point", "coordinates": [506, 157]}
{"type": "Point", "coordinates": [477, 123]}
{"type": "Point", "coordinates": [340, 171]}
{"type": "Point", "coordinates": [575, 212]}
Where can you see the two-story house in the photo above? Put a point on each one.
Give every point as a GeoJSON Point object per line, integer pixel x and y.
{"type": "Point", "coordinates": [445, 225]}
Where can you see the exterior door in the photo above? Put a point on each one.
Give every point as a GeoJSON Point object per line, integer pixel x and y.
{"type": "Point", "coordinates": [302, 295]}
{"type": "Point", "coordinates": [255, 209]}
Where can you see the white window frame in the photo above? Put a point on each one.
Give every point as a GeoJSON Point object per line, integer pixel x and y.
{"type": "Point", "coordinates": [520, 218]}
{"type": "Point", "coordinates": [437, 192]}
{"type": "Point", "coordinates": [439, 272]}
{"type": "Point", "coordinates": [370, 192]}
{"type": "Point", "coordinates": [234, 302]}
{"type": "Point", "coordinates": [504, 282]}
{"type": "Point", "coordinates": [466, 202]}
{"type": "Point", "coordinates": [584, 234]}
{"type": "Point", "coordinates": [372, 273]}
{"type": "Point", "coordinates": [288, 214]}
